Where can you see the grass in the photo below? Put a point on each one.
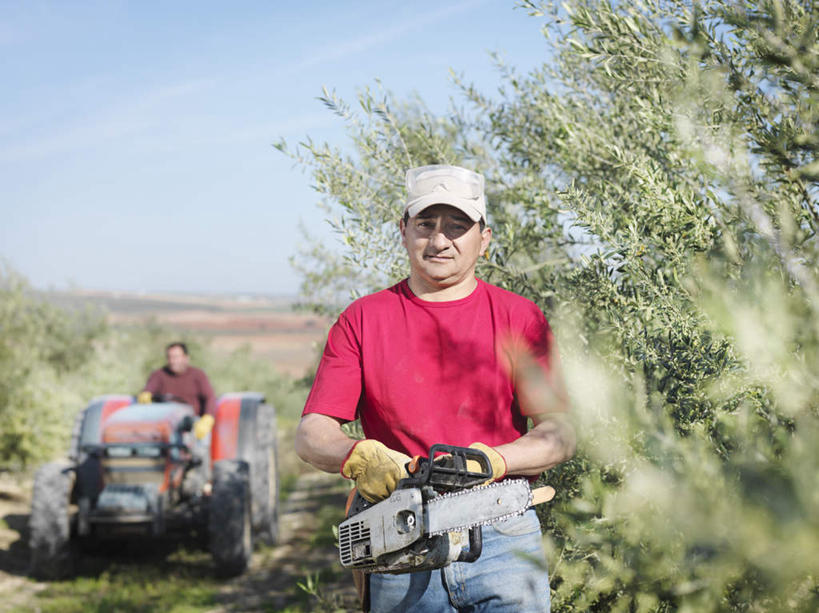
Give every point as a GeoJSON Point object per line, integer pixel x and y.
{"type": "Point", "coordinates": [329, 516]}
{"type": "Point", "coordinates": [181, 583]}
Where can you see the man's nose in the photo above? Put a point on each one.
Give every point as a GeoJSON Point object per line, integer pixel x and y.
{"type": "Point", "coordinates": [439, 239]}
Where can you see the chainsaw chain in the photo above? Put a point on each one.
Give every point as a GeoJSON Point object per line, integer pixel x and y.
{"type": "Point", "coordinates": [443, 498]}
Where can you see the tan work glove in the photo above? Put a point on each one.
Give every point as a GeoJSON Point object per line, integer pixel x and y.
{"type": "Point", "coordinates": [496, 461]}
{"type": "Point", "coordinates": [145, 397]}
{"type": "Point", "coordinates": [203, 426]}
{"type": "Point", "coordinates": [375, 468]}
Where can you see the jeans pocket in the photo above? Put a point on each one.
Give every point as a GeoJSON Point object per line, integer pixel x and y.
{"type": "Point", "coordinates": [518, 526]}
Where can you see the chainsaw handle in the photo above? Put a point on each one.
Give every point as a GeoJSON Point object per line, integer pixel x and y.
{"type": "Point", "coordinates": [446, 469]}
{"type": "Point", "coordinates": [475, 546]}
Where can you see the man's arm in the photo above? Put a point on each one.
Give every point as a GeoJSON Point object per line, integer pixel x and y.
{"type": "Point", "coordinates": [542, 397]}
{"type": "Point", "coordinates": [550, 442]}
{"type": "Point", "coordinates": [208, 397]}
{"type": "Point", "coordinates": [320, 441]}
{"type": "Point", "coordinates": [375, 468]}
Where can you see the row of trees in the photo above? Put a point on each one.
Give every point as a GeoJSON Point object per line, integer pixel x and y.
{"type": "Point", "coordinates": [653, 187]}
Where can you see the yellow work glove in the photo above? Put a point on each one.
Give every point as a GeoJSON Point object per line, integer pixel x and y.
{"type": "Point", "coordinates": [496, 461]}
{"type": "Point", "coordinates": [375, 468]}
{"type": "Point", "coordinates": [203, 426]}
{"type": "Point", "coordinates": [145, 397]}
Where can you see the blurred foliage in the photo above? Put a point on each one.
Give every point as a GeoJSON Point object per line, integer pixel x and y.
{"type": "Point", "coordinates": [41, 348]}
{"type": "Point", "coordinates": [653, 187]}
{"type": "Point", "coordinates": [242, 371]}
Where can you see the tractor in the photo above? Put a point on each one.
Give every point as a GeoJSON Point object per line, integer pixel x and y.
{"type": "Point", "coordinates": [137, 470]}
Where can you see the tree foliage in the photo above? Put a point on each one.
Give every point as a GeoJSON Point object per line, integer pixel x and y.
{"type": "Point", "coordinates": [653, 187]}
{"type": "Point", "coordinates": [39, 346]}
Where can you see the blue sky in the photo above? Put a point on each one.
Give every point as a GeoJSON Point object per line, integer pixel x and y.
{"type": "Point", "coordinates": [135, 137]}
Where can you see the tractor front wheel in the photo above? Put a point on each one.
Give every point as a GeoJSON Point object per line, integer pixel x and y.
{"type": "Point", "coordinates": [230, 532]}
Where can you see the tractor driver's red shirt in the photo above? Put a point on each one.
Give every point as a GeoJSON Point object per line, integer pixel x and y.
{"type": "Point", "coordinates": [419, 373]}
{"type": "Point", "coordinates": [191, 386]}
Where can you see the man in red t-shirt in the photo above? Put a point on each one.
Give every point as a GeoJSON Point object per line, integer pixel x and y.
{"type": "Point", "coordinates": [178, 378]}
{"type": "Point", "coordinates": [443, 357]}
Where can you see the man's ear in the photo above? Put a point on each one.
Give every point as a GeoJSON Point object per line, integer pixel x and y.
{"type": "Point", "coordinates": [486, 237]}
{"type": "Point", "coordinates": [402, 228]}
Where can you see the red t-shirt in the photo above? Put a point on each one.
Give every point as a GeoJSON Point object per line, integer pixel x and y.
{"type": "Point", "coordinates": [419, 373]}
{"type": "Point", "coordinates": [192, 386]}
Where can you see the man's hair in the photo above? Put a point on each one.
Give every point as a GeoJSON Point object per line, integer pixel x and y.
{"type": "Point", "coordinates": [481, 223]}
{"type": "Point", "coordinates": [179, 344]}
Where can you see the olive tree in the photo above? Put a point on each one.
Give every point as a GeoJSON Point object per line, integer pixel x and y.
{"type": "Point", "coordinates": [653, 187]}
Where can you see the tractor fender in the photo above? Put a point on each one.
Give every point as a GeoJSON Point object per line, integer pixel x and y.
{"type": "Point", "coordinates": [233, 436]}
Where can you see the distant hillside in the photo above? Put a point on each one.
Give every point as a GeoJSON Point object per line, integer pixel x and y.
{"type": "Point", "coordinates": [268, 325]}
{"type": "Point", "coordinates": [142, 303]}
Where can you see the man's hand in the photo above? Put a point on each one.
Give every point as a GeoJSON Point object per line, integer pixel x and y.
{"type": "Point", "coordinates": [496, 461]}
{"type": "Point", "coordinates": [203, 427]}
{"type": "Point", "coordinates": [145, 397]}
{"type": "Point", "coordinates": [376, 469]}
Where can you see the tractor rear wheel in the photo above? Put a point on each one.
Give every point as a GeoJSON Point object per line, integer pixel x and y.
{"type": "Point", "coordinates": [49, 522]}
{"type": "Point", "coordinates": [264, 477]}
{"type": "Point", "coordinates": [229, 522]}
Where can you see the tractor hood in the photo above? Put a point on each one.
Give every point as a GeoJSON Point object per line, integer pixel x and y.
{"type": "Point", "coordinates": [146, 423]}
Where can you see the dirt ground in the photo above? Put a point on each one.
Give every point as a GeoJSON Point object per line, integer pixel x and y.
{"type": "Point", "coordinates": [15, 588]}
{"type": "Point", "coordinates": [269, 585]}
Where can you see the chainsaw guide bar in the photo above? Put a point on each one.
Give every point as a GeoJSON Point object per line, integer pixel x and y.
{"type": "Point", "coordinates": [479, 506]}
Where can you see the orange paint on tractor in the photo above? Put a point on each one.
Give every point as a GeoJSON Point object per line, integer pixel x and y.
{"type": "Point", "coordinates": [114, 404]}
{"type": "Point", "coordinates": [225, 437]}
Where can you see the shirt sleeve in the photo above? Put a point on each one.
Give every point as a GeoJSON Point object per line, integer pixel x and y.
{"type": "Point", "coordinates": [540, 341]}
{"type": "Point", "coordinates": [208, 398]}
{"type": "Point", "coordinates": [337, 387]}
{"type": "Point", "coordinates": [540, 385]}
{"type": "Point", "coordinates": [528, 354]}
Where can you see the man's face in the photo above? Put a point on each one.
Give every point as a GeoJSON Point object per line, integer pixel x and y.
{"type": "Point", "coordinates": [177, 360]}
{"type": "Point", "coordinates": [443, 245]}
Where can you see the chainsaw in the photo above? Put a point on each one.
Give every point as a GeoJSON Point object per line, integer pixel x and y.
{"type": "Point", "coordinates": [433, 517]}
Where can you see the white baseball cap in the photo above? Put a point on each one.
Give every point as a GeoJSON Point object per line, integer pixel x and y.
{"type": "Point", "coordinates": [444, 184]}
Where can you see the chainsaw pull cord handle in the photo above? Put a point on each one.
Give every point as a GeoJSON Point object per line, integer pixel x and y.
{"type": "Point", "coordinates": [414, 465]}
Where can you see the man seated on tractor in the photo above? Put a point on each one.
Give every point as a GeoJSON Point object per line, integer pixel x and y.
{"type": "Point", "coordinates": [184, 382]}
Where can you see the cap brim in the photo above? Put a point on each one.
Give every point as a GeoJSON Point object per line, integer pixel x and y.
{"type": "Point", "coordinates": [419, 204]}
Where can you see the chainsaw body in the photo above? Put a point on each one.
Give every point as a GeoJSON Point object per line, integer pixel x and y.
{"type": "Point", "coordinates": [433, 518]}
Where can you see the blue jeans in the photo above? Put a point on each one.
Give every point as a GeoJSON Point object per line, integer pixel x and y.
{"type": "Point", "coordinates": [504, 578]}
